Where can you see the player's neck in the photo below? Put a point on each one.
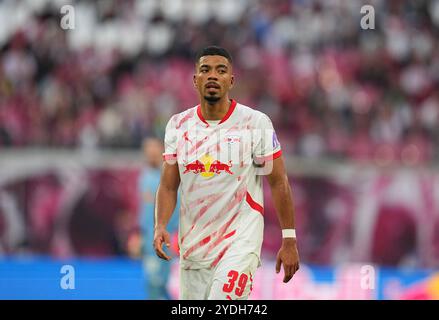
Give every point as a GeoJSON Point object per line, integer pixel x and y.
{"type": "Point", "coordinates": [215, 111]}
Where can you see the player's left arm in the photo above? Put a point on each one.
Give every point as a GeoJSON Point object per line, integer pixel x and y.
{"type": "Point", "coordinates": [283, 202]}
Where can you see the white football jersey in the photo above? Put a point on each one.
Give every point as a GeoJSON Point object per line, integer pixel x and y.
{"type": "Point", "coordinates": [221, 164]}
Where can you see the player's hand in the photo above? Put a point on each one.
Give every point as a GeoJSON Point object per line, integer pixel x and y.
{"type": "Point", "coordinates": [289, 257]}
{"type": "Point", "coordinates": [161, 236]}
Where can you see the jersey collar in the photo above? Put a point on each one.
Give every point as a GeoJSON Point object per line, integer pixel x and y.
{"type": "Point", "coordinates": [227, 116]}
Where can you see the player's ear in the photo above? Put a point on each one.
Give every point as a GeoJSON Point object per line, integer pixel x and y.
{"type": "Point", "coordinates": [232, 81]}
{"type": "Point", "coordinates": [195, 80]}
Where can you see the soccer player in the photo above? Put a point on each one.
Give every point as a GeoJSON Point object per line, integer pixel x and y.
{"type": "Point", "coordinates": [156, 271]}
{"type": "Point", "coordinates": [218, 152]}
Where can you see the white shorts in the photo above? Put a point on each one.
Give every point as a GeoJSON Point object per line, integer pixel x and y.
{"type": "Point", "coordinates": [230, 279]}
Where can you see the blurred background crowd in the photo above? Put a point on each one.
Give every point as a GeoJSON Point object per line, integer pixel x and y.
{"type": "Point", "coordinates": [347, 104]}
{"type": "Point", "coordinates": [331, 88]}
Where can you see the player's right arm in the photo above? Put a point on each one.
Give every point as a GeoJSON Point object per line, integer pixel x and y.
{"type": "Point", "coordinates": [166, 199]}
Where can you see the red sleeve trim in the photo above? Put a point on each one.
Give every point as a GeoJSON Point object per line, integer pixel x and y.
{"type": "Point", "coordinates": [253, 204]}
{"type": "Point", "coordinates": [277, 154]}
{"type": "Point", "coordinates": [170, 156]}
{"type": "Point", "coordinates": [271, 157]}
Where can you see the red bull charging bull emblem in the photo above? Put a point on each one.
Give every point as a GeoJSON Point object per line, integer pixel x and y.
{"type": "Point", "coordinates": [207, 167]}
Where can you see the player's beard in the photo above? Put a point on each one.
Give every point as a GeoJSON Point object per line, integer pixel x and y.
{"type": "Point", "coordinates": [212, 99]}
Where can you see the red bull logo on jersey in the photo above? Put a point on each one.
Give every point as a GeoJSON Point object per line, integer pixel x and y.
{"type": "Point", "coordinates": [207, 167]}
{"type": "Point", "coordinates": [218, 166]}
{"type": "Point", "coordinates": [195, 167]}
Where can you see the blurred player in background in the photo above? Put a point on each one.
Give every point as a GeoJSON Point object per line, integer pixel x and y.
{"type": "Point", "coordinates": [221, 219]}
{"type": "Point", "coordinates": [156, 271]}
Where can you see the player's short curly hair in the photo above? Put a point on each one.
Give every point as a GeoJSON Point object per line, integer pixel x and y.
{"type": "Point", "coordinates": [213, 51]}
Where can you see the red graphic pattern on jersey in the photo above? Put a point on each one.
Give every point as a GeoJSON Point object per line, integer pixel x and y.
{"type": "Point", "coordinates": [218, 241]}
{"type": "Point", "coordinates": [206, 207]}
{"type": "Point", "coordinates": [206, 240]}
{"type": "Point", "coordinates": [214, 149]}
{"type": "Point", "coordinates": [186, 138]}
{"type": "Point", "coordinates": [237, 199]}
{"type": "Point", "coordinates": [185, 118]}
{"type": "Point", "coordinates": [202, 185]}
{"type": "Point", "coordinates": [212, 199]}
{"type": "Point", "coordinates": [221, 237]}
{"type": "Point", "coordinates": [198, 245]}
{"type": "Point", "coordinates": [195, 203]}
{"type": "Point", "coordinates": [197, 145]}
{"type": "Point", "coordinates": [220, 256]}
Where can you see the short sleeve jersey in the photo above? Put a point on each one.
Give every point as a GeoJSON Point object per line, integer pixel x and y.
{"type": "Point", "coordinates": [221, 166]}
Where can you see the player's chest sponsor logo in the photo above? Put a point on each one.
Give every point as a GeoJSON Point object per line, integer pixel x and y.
{"type": "Point", "coordinates": [207, 166]}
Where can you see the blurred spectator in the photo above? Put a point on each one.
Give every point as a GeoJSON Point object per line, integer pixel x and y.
{"type": "Point", "coordinates": [156, 270]}
{"type": "Point", "coordinates": [331, 88]}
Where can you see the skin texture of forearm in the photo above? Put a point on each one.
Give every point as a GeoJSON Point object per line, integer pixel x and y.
{"type": "Point", "coordinates": [166, 200]}
{"type": "Point", "coordinates": [283, 203]}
